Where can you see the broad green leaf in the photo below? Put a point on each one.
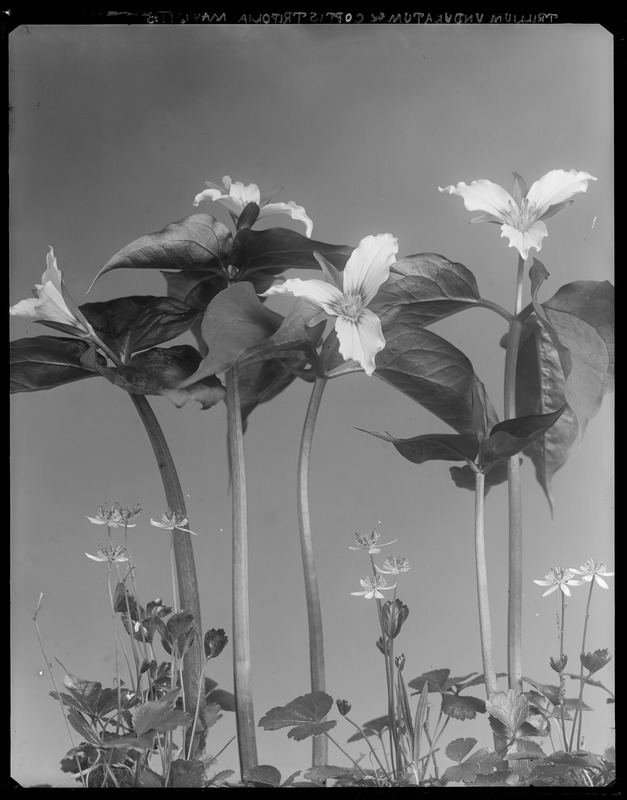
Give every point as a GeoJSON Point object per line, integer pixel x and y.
{"type": "Point", "coordinates": [78, 722]}
{"type": "Point", "coordinates": [433, 446]}
{"type": "Point", "coordinates": [263, 775]}
{"type": "Point", "coordinates": [435, 679]}
{"type": "Point", "coordinates": [149, 779]}
{"type": "Point", "coordinates": [43, 362]}
{"type": "Point", "coordinates": [525, 749]}
{"type": "Point", "coordinates": [194, 288]}
{"type": "Point", "coordinates": [464, 477]}
{"type": "Point", "coordinates": [509, 708]}
{"type": "Point", "coordinates": [277, 249]}
{"type": "Point", "coordinates": [197, 242]}
{"type": "Point", "coordinates": [462, 706]}
{"type": "Point", "coordinates": [429, 286]}
{"type": "Point", "coordinates": [304, 715]}
{"type": "Point", "coordinates": [582, 316]}
{"type": "Point", "coordinates": [261, 381]}
{"type": "Point", "coordinates": [129, 324]}
{"type": "Point", "coordinates": [86, 693]}
{"type": "Point", "coordinates": [511, 436]}
{"type": "Point", "coordinates": [160, 371]}
{"type": "Point", "coordinates": [159, 715]}
{"type": "Point", "coordinates": [461, 773]}
{"type": "Point", "coordinates": [431, 371]}
{"type": "Point", "coordinates": [458, 749]}
{"type": "Point", "coordinates": [486, 759]}
{"type": "Point", "coordinates": [540, 387]}
{"type": "Point", "coordinates": [186, 774]}
{"type": "Point", "coordinates": [225, 700]}
{"type": "Point", "coordinates": [549, 691]}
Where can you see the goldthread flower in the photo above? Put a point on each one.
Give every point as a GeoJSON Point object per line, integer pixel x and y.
{"type": "Point", "coordinates": [52, 303]}
{"type": "Point", "coordinates": [373, 588]}
{"type": "Point", "coordinates": [109, 554]}
{"type": "Point", "coordinates": [370, 542]}
{"type": "Point", "coordinates": [520, 216]}
{"type": "Point", "coordinates": [558, 578]}
{"type": "Point", "coordinates": [394, 565]}
{"type": "Point", "coordinates": [116, 517]}
{"type": "Point", "coordinates": [345, 296]}
{"type": "Point", "coordinates": [593, 570]}
{"type": "Point", "coordinates": [172, 520]}
{"type": "Point", "coordinates": [239, 196]}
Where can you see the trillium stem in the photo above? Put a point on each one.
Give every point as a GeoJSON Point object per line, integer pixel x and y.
{"type": "Point", "coordinates": [242, 675]}
{"type": "Point", "coordinates": [485, 626]}
{"type": "Point", "coordinates": [189, 597]}
{"type": "Point", "coordinates": [514, 610]}
{"type": "Point", "coordinates": [312, 594]}
{"type": "Point", "coordinates": [578, 718]}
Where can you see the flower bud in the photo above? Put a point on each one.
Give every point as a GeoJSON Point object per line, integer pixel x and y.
{"type": "Point", "coordinates": [382, 645]}
{"type": "Point", "coordinates": [343, 706]}
{"type": "Point", "coordinates": [215, 642]}
{"type": "Point", "coordinates": [558, 664]}
{"type": "Point", "coordinates": [595, 661]}
{"type": "Point", "coordinates": [393, 615]}
{"type": "Point", "coordinates": [400, 662]}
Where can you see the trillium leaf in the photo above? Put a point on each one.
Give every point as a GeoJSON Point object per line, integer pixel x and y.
{"type": "Point", "coordinates": [429, 286]}
{"type": "Point", "coordinates": [462, 706]}
{"type": "Point", "coordinates": [261, 381]}
{"type": "Point", "coordinates": [582, 316]}
{"type": "Point", "coordinates": [513, 435]}
{"type": "Point", "coordinates": [263, 775]}
{"type": "Point", "coordinates": [129, 324]}
{"type": "Point", "coordinates": [540, 387]}
{"type": "Point", "coordinates": [431, 371]}
{"type": "Point", "coordinates": [509, 708]}
{"type": "Point", "coordinates": [197, 242]}
{"type": "Point", "coordinates": [458, 749]}
{"type": "Point", "coordinates": [433, 446]}
{"type": "Point", "coordinates": [304, 715]}
{"type": "Point", "coordinates": [464, 477]}
{"type": "Point", "coordinates": [277, 249]}
{"type": "Point", "coordinates": [43, 362]}
{"type": "Point", "coordinates": [159, 715]}
{"type": "Point", "coordinates": [194, 288]}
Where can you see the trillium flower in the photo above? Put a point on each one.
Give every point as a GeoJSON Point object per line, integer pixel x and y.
{"type": "Point", "coordinates": [109, 554]}
{"type": "Point", "coordinates": [369, 541]}
{"type": "Point", "coordinates": [373, 588]}
{"type": "Point", "coordinates": [520, 216]}
{"type": "Point", "coordinates": [394, 565]}
{"type": "Point", "coordinates": [172, 520]}
{"type": "Point", "coordinates": [593, 569]}
{"type": "Point", "coordinates": [346, 295]}
{"type": "Point", "coordinates": [52, 303]}
{"type": "Point", "coordinates": [239, 196]}
{"type": "Point", "coordinates": [559, 578]}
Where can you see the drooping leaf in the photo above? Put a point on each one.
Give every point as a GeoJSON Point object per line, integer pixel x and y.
{"type": "Point", "coordinates": [305, 715]}
{"type": "Point", "coordinates": [186, 774]}
{"type": "Point", "coordinates": [509, 708]}
{"type": "Point", "coordinates": [261, 381]}
{"type": "Point", "coordinates": [43, 362]}
{"type": "Point", "coordinates": [129, 324]}
{"type": "Point", "coordinates": [159, 715]}
{"type": "Point", "coordinates": [461, 706]}
{"type": "Point", "coordinates": [433, 446]}
{"type": "Point", "coordinates": [458, 749]}
{"type": "Point", "coordinates": [464, 477]}
{"type": "Point", "coordinates": [197, 242]}
{"type": "Point", "coordinates": [225, 700]}
{"type": "Point", "coordinates": [263, 775]}
{"type": "Point", "coordinates": [511, 436]}
{"type": "Point", "coordinates": [428, 286]}
{"type": "Point", "coordinates": [435, 679]}
{"type": "Point", "coordinates": [431, 371]}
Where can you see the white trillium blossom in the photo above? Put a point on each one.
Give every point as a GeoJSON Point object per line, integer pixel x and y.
{"type": "Point", "coordinates": [358, 328]}
{"type": "Point", "coordinates": [239, 196]}
{"type": "Point", "coordinates": [594, 570]}
{"type": "Point", "coordinates": [373, 588]}
{"type": "Point", "coordinates": [172, 521]}
{"type": "Point", "coordinates": [520, 216]}
{"type": "Point", "coordinates": [559, 578]}
{"type": "Point", "coordinates": [52, 303]}
{"type": "Point", "coordinates": [369, 541]}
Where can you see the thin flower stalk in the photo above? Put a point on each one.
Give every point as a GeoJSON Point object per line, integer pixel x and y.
{"type": "Point", "coordinates": [341, 749]}
{"type": "Point", "coordinates": [562, 689]}
{"type": "Point", "coordinates": [244, 713]}
{"type": "Point", "coordinates": [369, 743]}
{"type": "Point", "coordinates": [312, 594]}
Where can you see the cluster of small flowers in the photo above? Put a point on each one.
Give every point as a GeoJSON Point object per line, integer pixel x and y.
{"type": "Point", "coordinates": [562, 577]}
{"type": "Point", "coordinates": [393, 565]}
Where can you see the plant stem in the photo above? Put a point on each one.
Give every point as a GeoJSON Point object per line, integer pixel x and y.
{"type": "Point", "coordinates": [244, 715]}
{"type": "Point", "coordinates": [372, 750]}
{"type": "Point", "coordinates": [339, 747]}
{"type": "Point", "coordinates": [312, 595]}
{"type": "Point", "coordinates": [579, 710]}
{"type": "Point", "coordinates": [485, 627]}
{"type": "Point", "coordinates": [514, 611]}
{"type": "Point", "coordinates": [189, 596]}
{"type": "Point", "coordinates": [562, 690]}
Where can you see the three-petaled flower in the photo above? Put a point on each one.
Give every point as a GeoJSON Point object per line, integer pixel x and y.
{"type": "Point", "coordinates": [52, 303]}
{"type": "Point", "coordinates": [109, 554]}
{"type": "Point", "coordinates": [373, 588]}
{"type": "Point", "coordinates": [345, 296]}
{"type": "Point", "coordinates": [394, 565]}
{"type": "Point", "coordinates": [172, 520]}
{"type": "Point", "coordinates": [594, 570]}
{"type": "Point", "coordinates": [369, 541]}
{"type": "Point", "coordinates": [520, 216]}
{"type": "Point", "coordinates": [559, 578]}
{"type": "Point", "coordinates": [239, 196]}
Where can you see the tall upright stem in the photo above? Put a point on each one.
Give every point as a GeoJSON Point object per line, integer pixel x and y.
{"type": "Point", "coordinates": [578, 718]}
{"type": "Point", "coordinates": [189, 596]}
{"type": "Point", "coordinates": [312, 595]}
{"type": "Point", "coordinates": [514, 610]}
{"type": "Point", "coordinates": [485, 627]}
{"type": "Point", "coordinates": [244, 715]}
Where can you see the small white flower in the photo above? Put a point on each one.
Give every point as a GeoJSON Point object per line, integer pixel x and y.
{"type": "Point", "coordinates": [239, 196]}
{"type": "Point", "coordinates": [558, 578]}
{"type": "Point", "coordinates": [394, 565]}
{"type": "Point", "coordinates": [594, 569]}
{"type": "Point", "coordinates": [109, 554]}
{"type": "Point", "coordinates": [115, 517]}
{"type": "Point", "coordinates": [373, 588]}
{"type": "Point", "coordinates": [171, 521]}
{"type": "Point", "coordinates": [369, 542]}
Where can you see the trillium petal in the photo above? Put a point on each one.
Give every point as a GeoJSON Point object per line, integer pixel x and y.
{"type": "Point", "coordinates": [26, 308]}
{"type": "Point", "coordinates": [292, 210]}
{"type": "Point", "coordinates": [483, 195]}
{"type": "Point", "coordinates": [209, 194]}
{"type": "Point", "coordinates": [369, 265]}
{"type": "Point", "coordinates": [555, 187]}
{"type": "Point", "coordinates": [360, 340]}
{"type": "Point", "coordinates": [524, 240]}
{"type": "Point", "coordinates": [323, 294]}
{"type": "Point", "coordinates": [240, 194]}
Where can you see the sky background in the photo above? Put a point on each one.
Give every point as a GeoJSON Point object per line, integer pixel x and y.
{"type": "Point", "coordinates": [114, 131]}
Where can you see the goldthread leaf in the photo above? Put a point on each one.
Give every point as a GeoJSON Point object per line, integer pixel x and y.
{"type": "Point", "coordinates": [159, 715]}
{"type": "Point", "coordinates": [509, 708]}
{"type": "Point", "coordinates": [435, 679]}
{"type": "Point", "coordinates": [458, 749]}
{"type": "Point", "coordinates": [304, 715]}
{"type": "Point", "coordinates": [43, 362]}
{"type": "Point", "coordinates": [186, 774]}
{"type": "Point", "coordinates": [263, 775]}
{"type": "Point", "coordinates": [462, 706]}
